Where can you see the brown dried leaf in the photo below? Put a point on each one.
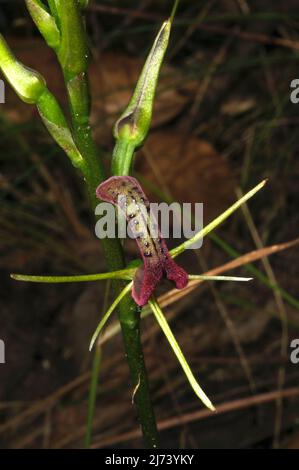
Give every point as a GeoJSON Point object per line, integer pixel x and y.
{"type": "Point", "coordinates": [190, 168]}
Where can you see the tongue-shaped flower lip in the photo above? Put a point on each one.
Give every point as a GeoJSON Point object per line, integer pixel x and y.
{"type": "Point", "coordinates": [126, 193]}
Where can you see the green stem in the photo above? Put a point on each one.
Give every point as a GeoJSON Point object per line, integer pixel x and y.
{"type": "Point", "coordinates": [79, 102]}
{"type": "Point", "coordinates": [122, 166]}
{"type": "Point", "coordinates": [96, 367]}
{"type": "Point", "coordinates": [129, 314]}
{"type": "Point", "coordinates": [95, 373]}
{"type": "Point", "coordinates": [130, 326]}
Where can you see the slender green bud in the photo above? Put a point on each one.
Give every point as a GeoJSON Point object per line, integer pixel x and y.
{"type": "Point", "coordinates": [31, 88]}
{"type": "Point", "coordinates": [73, 52]}
{"type": "Point", "coordinates": [54, 120]}
{"type": "Point", "coordinates": [27, 83]}
{"type": "Point", "coordinates": [134, 123]}
{"type": "Point", "coordinates": [44, 22]}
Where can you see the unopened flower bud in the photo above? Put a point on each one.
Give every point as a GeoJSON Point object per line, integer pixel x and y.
{"type": "Point", "coordinates": [44, 22]}
{"type": "Point", "coordinates": [27, 83]}
{"type": "Point", "coordinates": [134, 123]}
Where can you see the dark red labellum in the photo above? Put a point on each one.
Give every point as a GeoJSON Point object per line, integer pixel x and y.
{"type": "Point", "coordinates": [126, 193]}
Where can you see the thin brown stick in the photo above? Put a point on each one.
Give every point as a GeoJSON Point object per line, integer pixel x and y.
{"type": "Point", "coordinates": [282, 315]}
{"type": "Point", "coordinates": [254, 37]}
{"type": "Point", "coordinates": [43, 405]}
{"type": "Point", "coordinates": [175, 295]}
{"type": "Point", "coordinates": [248, 36]}
{"type": "Point", "coordinates": [125, 12]}
{"type": "Point", "coordinates": [222, 408]}
{"type": "Point", "coordinates": [231, 329]}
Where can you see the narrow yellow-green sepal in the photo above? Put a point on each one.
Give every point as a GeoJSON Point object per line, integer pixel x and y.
{"type": "Point", "coordinates": [221, 218]}
{"type": "Point", "coordinates": [196, 277]}
{"type": "Point", "coordinates": [105, 318]}
{"type": "Point", "coordinates": [124, 274]}
{"type": "Point", "coordinates": [178, 352]}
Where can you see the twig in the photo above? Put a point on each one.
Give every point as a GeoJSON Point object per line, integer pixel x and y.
{"type": "Point", "coordinates": [255, 37]}
{"type": "Point", "coordinates": [282, 315]}
{"type": "Point", "coordinates": [222, 408]}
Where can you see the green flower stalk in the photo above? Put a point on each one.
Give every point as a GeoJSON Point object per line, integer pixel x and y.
{"type": "Point", "coordinates": [73, 52]}
{"type": "Point", "coordinates": [54, 120]}
{"type": "Point", "coordinates": [73, 56]}
{"type": "Point", "coordinates": [65, 33]}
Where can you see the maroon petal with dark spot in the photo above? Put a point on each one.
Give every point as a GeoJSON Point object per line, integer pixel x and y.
{"type": "Point", "coordinates": [126, 192]}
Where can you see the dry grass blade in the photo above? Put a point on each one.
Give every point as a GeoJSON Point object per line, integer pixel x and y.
{"type": "Point", "coordinates": [255, 37]}
{"type": "Point", "coordinates": [255, 255]}
{"type": "Point", "coordinates": [43, 405]}
{"type": "Point", "coordinates": [282, 315]}
{"type": "Point", "coordinates": [222, 408]}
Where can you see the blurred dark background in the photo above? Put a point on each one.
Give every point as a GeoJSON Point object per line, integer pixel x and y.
{"type": "Point", "coordinates": [223, 121]}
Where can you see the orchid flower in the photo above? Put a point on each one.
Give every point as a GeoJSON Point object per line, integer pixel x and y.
{"type": "Point", "coordinates": [126, 193]}
{"type": "Point", "coordinates": [144, 279]}
{"type": "Point", "coordinates": [61, 23]}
